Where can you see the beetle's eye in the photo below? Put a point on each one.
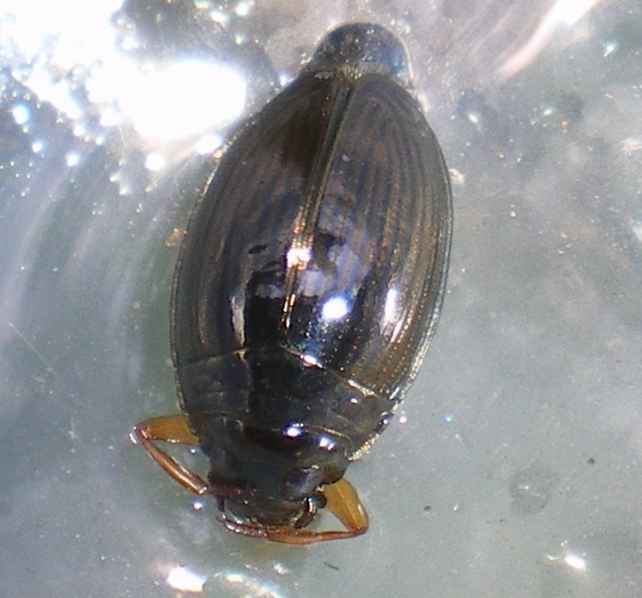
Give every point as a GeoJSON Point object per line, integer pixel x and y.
{"type": "Point", "coordinates": [302, 482]}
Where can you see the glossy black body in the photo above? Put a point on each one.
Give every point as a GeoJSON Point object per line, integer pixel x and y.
{"type": "Point", "coordinates": [311, 279]}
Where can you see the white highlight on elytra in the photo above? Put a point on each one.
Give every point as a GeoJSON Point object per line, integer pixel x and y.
{"type": "Point", "coordinates": [335, 308]}
{"type": "Point", "coordinates": [298, 257]}
{"type": "Point", "coordinates": [390, 308]}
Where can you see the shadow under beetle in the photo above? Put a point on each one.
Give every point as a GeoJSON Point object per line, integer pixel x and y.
{"type": "Point", "coordinates": [307, 289]}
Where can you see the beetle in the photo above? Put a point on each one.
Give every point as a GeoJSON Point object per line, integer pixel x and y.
{"type": "Point", "coordinates": [308, 286]}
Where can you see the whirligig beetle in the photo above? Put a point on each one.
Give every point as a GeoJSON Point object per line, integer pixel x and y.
{"type": "Point", "coordinates": [307, 290]}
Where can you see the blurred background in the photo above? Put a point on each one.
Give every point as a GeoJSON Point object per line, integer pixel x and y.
{"type": "Point", "coordinates": [513, 468]}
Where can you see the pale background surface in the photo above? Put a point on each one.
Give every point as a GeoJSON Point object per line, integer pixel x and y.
{"type": "Point", "coordinates": [515, 467]}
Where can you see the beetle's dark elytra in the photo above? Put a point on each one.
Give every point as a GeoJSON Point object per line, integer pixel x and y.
{"type": "Point", "coordinates": [308, 287]}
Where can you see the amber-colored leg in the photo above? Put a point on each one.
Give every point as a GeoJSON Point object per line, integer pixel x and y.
{"type": "Point", "coordinates": [342, 502]}
{"type": "Point", "coordinates": [173, 429]}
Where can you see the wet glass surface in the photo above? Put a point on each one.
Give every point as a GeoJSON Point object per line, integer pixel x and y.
{"type": "Point", "coordinates": [514, 467]}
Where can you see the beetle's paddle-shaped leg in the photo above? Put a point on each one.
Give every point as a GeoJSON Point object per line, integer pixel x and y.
{"type": "Point", "coordinates": [342, 502]}
{"type": "Point", "coordinates": [175, 430]}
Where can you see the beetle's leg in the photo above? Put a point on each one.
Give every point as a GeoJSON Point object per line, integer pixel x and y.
{"type": "Point", "coordinates": [173, 429]}
{"type": "Point", "coordinates": [343, 503]}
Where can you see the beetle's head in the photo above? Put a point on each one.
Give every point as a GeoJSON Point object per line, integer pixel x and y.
{"type": "Point", "coordinates": [273, 476]}
{"type": "Point", "coordinates": [360, 48]}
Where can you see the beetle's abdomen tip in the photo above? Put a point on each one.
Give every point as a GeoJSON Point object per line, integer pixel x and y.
{"type": "Point", "coordinates": [362, 48]}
